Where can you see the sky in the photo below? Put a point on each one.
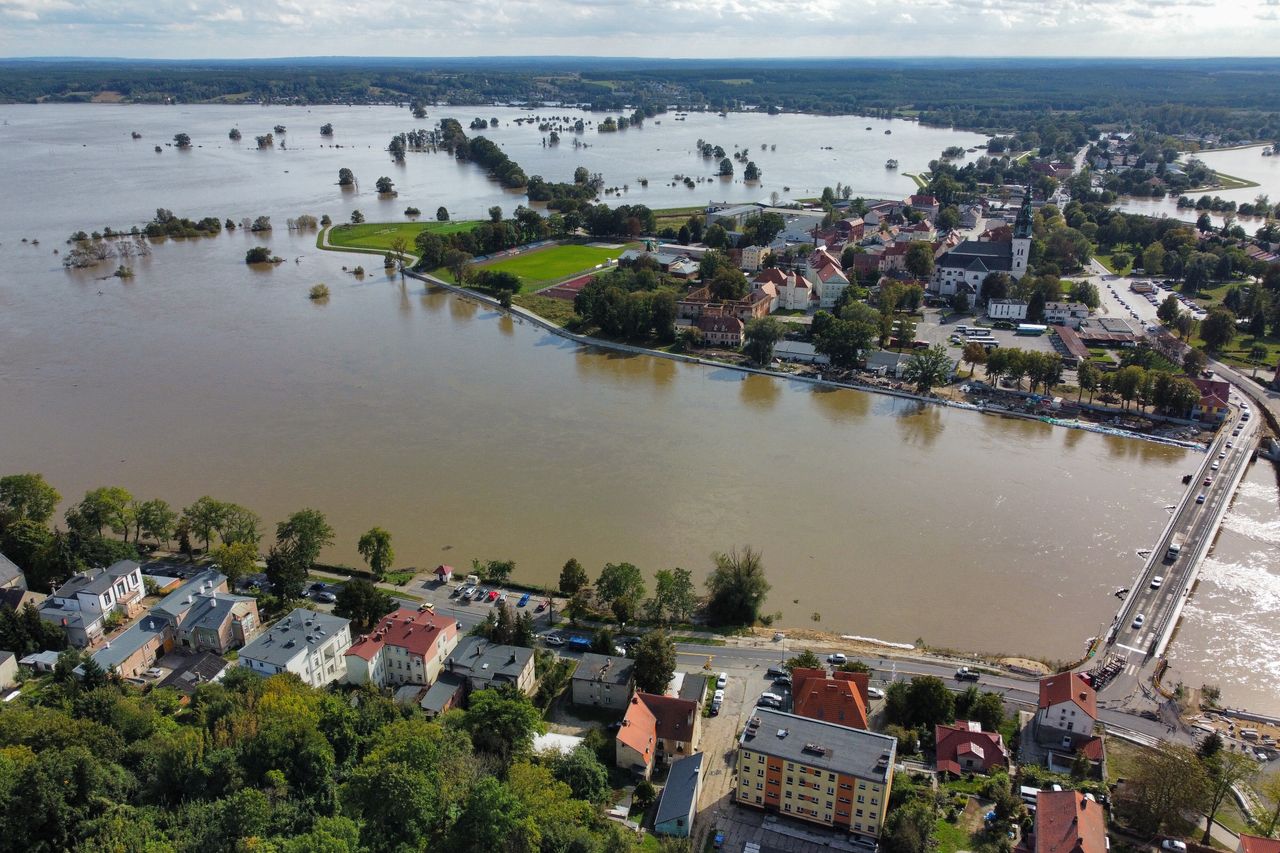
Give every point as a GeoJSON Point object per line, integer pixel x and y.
{"type": "Point", "coordinates": [185, 29]}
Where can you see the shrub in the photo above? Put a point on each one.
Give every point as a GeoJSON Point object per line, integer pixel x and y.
{"type": "Point", "coordinates": [318, 292]}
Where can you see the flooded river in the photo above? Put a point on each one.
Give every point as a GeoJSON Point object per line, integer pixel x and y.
{"type": "Point", "coordinates": [470, 436]}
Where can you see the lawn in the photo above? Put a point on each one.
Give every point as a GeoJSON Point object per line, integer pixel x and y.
{"type": "Point", "coordinates": [377, 236]}
{"type": "Point", "coordinates": [1105, 260]}
{"type": "Point", "coordinates": [544, 267]}
{"type": "Point", "coordinates": [558, 311]}
{"type": "Point", "coordinates": [1236, 353]}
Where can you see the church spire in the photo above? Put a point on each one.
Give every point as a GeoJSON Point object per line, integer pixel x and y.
{"type": "Point", "coordinates": [1022, 226]}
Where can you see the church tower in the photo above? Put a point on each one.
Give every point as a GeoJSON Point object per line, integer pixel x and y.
{"type": "Point", "coordinates": [1022, 235]}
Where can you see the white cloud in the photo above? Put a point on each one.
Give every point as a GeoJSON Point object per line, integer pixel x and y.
{"type": "Point", "coordinates": [677, 28]}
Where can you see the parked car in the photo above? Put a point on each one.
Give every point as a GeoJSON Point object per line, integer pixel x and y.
{"type": "Point", "coordinates": [326, 597]}
{"type": "Point", "coordinates": [839, 659]}
{"type": "Point", "coordinates": [715, 709]}
{"type": "Point", "coordinates": [426, 607]}
{"type": "Point", "coordinates": [541, 607]}
{"type": "Point", "coordinates": [966, 674]}
{"type": "Point", "coordinates": [783, 680]}
{"type": "Point", "coordinates": [718, 696]}
{"type": "Point", "coordinates": [769, 700]}
{"type": "Point", "coordinates": [554, 640]}
{"type": "Point", "coordinates": [875, 693]}
{"type": "Point", "coordinates": [317, 586]}
{"type": "Point", "coordinates": [775, 671]}
{"type": "Point", "coordinates": [722, 680]}
{"type": "Point", "coordinates": [155, 672]}
{"type": "Point", "coordinates": [1174, 845]}
{"type": "Point", "coordinates": [524, 599]}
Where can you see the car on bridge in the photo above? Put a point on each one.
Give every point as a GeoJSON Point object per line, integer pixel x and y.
{"type": "Point", "coordinates": [1157, 582]}
{"type": "Point", "coordinates": [966, 674]}
{"type": "Point", "coordinates": [1139, 620]}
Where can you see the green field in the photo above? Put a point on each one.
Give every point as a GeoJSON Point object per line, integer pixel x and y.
{"type": "Point", "coordinates": [377, 236]}
{"type": "Point", "coordinates": [544, 267]}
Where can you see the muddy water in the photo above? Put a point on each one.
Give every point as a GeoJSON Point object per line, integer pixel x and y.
{"type": "Point", "coordinates": [468, 435]}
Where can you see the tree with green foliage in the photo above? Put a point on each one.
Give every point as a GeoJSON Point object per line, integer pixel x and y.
{"type": "Point", "coordinates": [919, 259]}
{"type": "Point", "coordinates": [375, 547]}
{"type": "Point", "coordinates": [204, 517]}
{"type": "Point", "coordinates": [974, 354]}
{"type": "Point", "coordinates": [762, 334]}
{"type": "Point", "coordinates": [586, 777]}
{"type": "Point", "coordinates": [107, 506]}
{"type": "Point", "coordinates": [619, 580]}
{"type": "Point", "coordinates": [236, 560]}
{"type": "Point", "coordinates": [346, 178]}
{"type": "Point", "coordinates": [363, 603]}
{"type": "Point", "coordinates": [1169, 310]}
{"type": "Point", "coordinates": [805, 660]}
{"type": "Point", "coordinates": [26, 497]}
{"type": "Point", "coordinates": [737, 586]}
{"type": "Point", "coordinates": [928, 369]}
{"type": "Point", "coordinates": [156, 519]}
{"type": "Point", "coordinates": [674, 597]}
{"type": "Point", "coordinates": [1224, 770]}
{"type": "Point", "coordinates": [502, 723]}
{"type": "Point", "coordinates": [306, 533]}
{"type": "Point", "coordinates": [655, 657]}
{"type": "Point", "coordinates": [1167, 783]}
{"type": "Point", "coordinates": [1218, 329]}
{"type": "Point", "coordinates": [573, 577]}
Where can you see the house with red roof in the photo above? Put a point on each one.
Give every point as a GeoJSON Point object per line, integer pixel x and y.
{"type": "Point", "coordinates": [926, 204]}
{"type": "Point", "coordinates": [656, 730]}
{"type": "Point", "coordinates": [1068, 822]}
{"type": "Point", "coordinates": [1213, 404]}
{"type": "Point", "coordinates": [1257, 844]}
{"type": "Point", "coordinates": [1068, 707]}
{"type": "Point", "coordinates": [405, 647]}
{"type": "Point", "coordinates": [839, 698]}
{"type": "Point", "coordinates": [721, 330]}
{"type": "Point", "coordinates": [965, 748]}
{"type": "Point", "coordinates": [444, 573]}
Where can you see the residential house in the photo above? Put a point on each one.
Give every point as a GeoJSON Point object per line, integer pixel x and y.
{"type": "Point", "coordinates": [917, 232]}
{"type": "Point", "coordinates": [40, 661]}
{"type": "Point", "coordinates": [721, 330]}
{"type": "Point", "coordinates": [679, 802]}
{"type": "Point", "coordinates": [1067, 710]}
{"type": "Point", "coordinates": [8, 670]}
{"type": "Point", "coordinates": [136, 649]}
{"type": "Point", "coordinates": [603, 681]}
{"type": "Point", "coordinates": [1213, 404]}
{"type": "Point", "coordinates": [795, 293]}
{"type": "Point", "coordinates": [851, 230]}
{"type": "Point", "coordinates": [826, 276]}
{"type": "Point", "coordinates": [1068, 822]}
{"type": "Point", "coordinates": [838, 698]}
{"type": "Point", "coordinates": [817, 771]}
{"type": "Point", "coordinates": [970, 216]}
{"type": "Point", "coordinates": [965, 748]}
{"type": "Point", "coordinates": [1257, 844]}
{"type": "Point", "coordinates": [308, 643]}
{"type": "Point", "coordinates": [203, 616]}
{"type": "Point", "coordinates": [478, 664]}
{"type": "Point", "coordinates": [405, 647]}
{"type": "Point", "coordinates": [1014, 310]}
{"type": "Point", "coordinates": [887, 363]}
{"type": "Point", "coordinates": [200, 668]}
{"type": "Point", "coordinates": [964, 267]}
{"type": "Point", "coordinates": [85, 603]}
{"type": "Point", "coordinates": [801, 352]}
{"type": "Point", "coordinates": [657, 730]}
{"type": "Point", "coordinates": [1066, 313]}
{"type": "Point", "coordinates": [11, 577]}
{"type": "Point", "coordinates": [926, 204]}
{"type": "Point", "coordinates": [754, 257]}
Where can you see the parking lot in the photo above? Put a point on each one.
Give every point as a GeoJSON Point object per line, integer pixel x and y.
{"type": "Point", "coordinates": [931, 329]}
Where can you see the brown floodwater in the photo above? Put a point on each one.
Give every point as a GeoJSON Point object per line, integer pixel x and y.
{"type": "Point", "coordinates": [468, 435]}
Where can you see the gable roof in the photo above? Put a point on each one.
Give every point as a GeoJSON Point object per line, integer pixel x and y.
{"type": "Point", "coordinates": [415, 631]}
{"type": "Point", "coordinates": [604, 668]}
{"type": "Point", "coordinates": [175, 605]}
{"type": "Point", "coordinates": [1256, 844]}
{"type": "Point", "coordinates": [9, 572]}
{"type": "Point", "coordinates": [1069, 687]}
{"type": "Point", "coordinates": [968, 738]}
{"type": "Point", "coordinates": [1213, 392]}
{"type": "Point", "coordinates": [1068, 822]}
{"type": "Point", "coordinates": [681, 789]}
{"type": "Point", "coordinates": [651, 716]}
{"type": "Point", "coordinates": [835, 700]}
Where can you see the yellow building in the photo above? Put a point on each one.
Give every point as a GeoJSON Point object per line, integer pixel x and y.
{"type": "Point", "coordinates": [816, 771]}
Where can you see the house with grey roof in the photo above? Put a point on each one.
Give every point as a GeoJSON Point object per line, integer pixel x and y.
{"type": "Point", "coordinates": [478, 664]}
{"type": "Point", "coordinates": [679, 801]}
{"type": "Point", "coordinates": [603, 681]}
{"type": "Point", "coordinates": [136, 649]}
{"type": "Point", "coordinates": [87, 600]}
{"type": "Point", "coordinates": [205, 617]}
{"type": "Point", "coordinates": [11, 577]}
{"type": "Point", "coordinates": [197, 669]}
{"type": "Point", "coordinates": [308, 643]}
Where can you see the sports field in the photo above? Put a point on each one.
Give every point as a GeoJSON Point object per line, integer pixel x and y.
{"type": "Point", "coordinates": [543, 267]}
{"type": "Point", "coordinates": [377, 236]}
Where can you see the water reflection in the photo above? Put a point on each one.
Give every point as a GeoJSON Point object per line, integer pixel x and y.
{"type": "Point", "coordinates": [919, 424]}
{"type": "Point", "coordinates": [840, 405]}
{"type": "Point", "coordinates": [761, 392]}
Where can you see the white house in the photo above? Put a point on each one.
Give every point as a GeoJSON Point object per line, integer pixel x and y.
{"type": "Point", "coordinates": [753, 257]}
{"type": "Point", "coordinates": [307, 643]}
{"type": "Point", "coordinates": [1007, 309]}
{"type": "Point", "coordinates": [1066, 313]}
{"type": "Point", "coordinates": [1068, 707]}
{"type": "Point", "coordinates": [795, 293]}
{"type": "Point", "coordinates": [405, 647]}
{"type": "Point", "coordinates": [83, 604]}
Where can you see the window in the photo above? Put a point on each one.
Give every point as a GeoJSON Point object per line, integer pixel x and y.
{"type": "Point", "coordinates": [760, 773]}
{"type": "Point", "coordinates": [842, 813]}
{"type": "Point", "coordinates": [759, 799]}
{"type": "Point", "coordinates": [874, 801]}
{"type": "Point", "coordinates": [788, 795]}
{"type": "Point", "coordinates": [862, 786]}
{"type": "Point", "coordinates": [845, 786]}
{"type": "Point", "coordinates": [759, 786]}
{"type": "Point", "coordinates": [828, 818]}
{"type": "Point", "coordinates": [786, 806]}
{"type": "Point", "coordinates": [760, 759]}
{"type": "Point", "coordinates": [746, 754]}
{"type": "Point", "coordinates": [845, 800]}
{"type": "Point", "coordinates": [830, 790]}
{"type": "Point", "coordinates": [831, 777]}
{"type": "Point", "coordinates": [790, 766]}
{"type": "Point", "coordinates": [791, 780]}
{"type": "Point", "coordinates": [861, 799]}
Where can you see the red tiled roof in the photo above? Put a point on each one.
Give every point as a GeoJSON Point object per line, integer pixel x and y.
{"type": "Point", "coordinates": [415, 631]}
{"type": "Point", "coordinates": [722, 323]}
{"type": "Point", "coordinates": [664, 717]}
{"type": "Point", "coordinates": [772, 274]}
{"type": "Point", "coordinates": [1069, 687]}
{"type": "Point", "coordinates": [1213, 393]}
{"type": "Point", "coordinates": [835, 700]}
{"type": "Point", "coordinates": [1256, 844]}
{"type": "Point", "coordinates": [965, 738]}
{"type": "Point", "coordinates": [1067, 822]}
{"type": "Point", "coordinates": [1092, 749]}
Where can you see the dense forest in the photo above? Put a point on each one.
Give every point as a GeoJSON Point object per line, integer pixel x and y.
{"type": "Point", "coordinates": [1231, 98]}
